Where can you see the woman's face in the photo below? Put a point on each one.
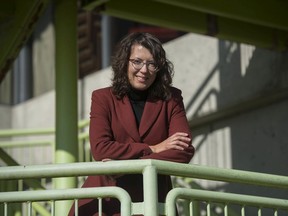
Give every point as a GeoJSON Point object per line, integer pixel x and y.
{"type": "Point", "coordinates": [141, 78]}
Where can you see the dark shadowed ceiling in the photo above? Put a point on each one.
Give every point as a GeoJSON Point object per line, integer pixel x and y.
{"type": "Point", "coordinates": [17, 19]}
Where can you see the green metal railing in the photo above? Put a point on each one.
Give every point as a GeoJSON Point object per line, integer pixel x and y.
{"type": "Point", "coordinates": [11, 139]}
{"type": "Point", "coordinates": [65, 194]}
{"type": "Point", "coordinates": [7, 141]}
{"type": "Point", "coordinates": [149, 170]}
{"type": "Point", "coordinates": [195, 200]}
{"type": "Point", "coordinates": [227, 199]}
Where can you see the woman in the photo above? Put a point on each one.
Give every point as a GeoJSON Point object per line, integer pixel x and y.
{"type": "Point", "coordinates": [141, 116]}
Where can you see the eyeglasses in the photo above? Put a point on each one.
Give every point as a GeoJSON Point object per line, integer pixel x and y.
{"type": "Point", "coordinates": [138, 64]}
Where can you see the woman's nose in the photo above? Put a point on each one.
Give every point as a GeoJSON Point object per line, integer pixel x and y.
{"type": "Point", "coordinates": [144, 68]}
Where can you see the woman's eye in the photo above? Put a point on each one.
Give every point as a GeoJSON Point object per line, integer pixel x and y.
{"type": "Point", "coordinates": [137, 61]}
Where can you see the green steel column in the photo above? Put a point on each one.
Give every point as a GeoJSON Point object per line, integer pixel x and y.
{"type": "Point", "coordinates": [66, 92]}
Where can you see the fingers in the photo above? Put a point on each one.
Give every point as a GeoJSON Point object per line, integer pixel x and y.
{"type": "Point", "coordinates": [106, 159]}
{"type": "Point", "coordinates": [179, 136]}
{"type": "Point", "coordinates": [180, 145]}
{"type": "Point", "coordinates": [180, 140]}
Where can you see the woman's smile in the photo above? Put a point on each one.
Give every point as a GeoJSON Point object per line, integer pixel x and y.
{"type": "Point", "coordinates": [141, 78]}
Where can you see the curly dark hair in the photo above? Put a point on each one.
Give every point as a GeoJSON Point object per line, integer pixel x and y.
{"type": "Point", "coordinates": [160, 89]}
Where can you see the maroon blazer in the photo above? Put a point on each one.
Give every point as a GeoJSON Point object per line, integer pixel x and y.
{"type": "Point", "coordinates": [114, 134]}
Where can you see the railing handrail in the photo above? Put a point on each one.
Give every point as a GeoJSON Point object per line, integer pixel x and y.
{"type": "Point", "coordinates": [221, 197]}
{"type": "Point", "coordinates": [149, 169]}
{"type": "Point", "coordinates": [137, 166]}
{"type": "Point", "coordinates": [4, 133]}
{"type": "Point", "coordinates": [26, 132]}
{"type": "Point", "coordinates": [70, 194]}
{"type": "Point", "coordinates": [27, 143]}
{"type": "Point", "coordinates": [65, 194]}
{"type": "Point", "coordinates": [36, 131]}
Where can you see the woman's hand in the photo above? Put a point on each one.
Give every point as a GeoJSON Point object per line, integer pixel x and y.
{"type": "Point", "coordinates": [178, 141]}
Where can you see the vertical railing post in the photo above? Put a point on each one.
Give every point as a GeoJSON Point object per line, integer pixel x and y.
{"type": "Point", "coordinates": [150, 187]}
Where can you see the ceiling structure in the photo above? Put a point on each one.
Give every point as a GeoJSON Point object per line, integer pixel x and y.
{"type": "Point", "coordinates": [260, 23]}
{"type": "Point", "coordinates": [17, 21]}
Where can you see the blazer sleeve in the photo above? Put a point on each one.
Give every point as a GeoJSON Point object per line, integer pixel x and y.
{"type": "Point", "coordinates": [102, 142]}
{"type": "Point", "coordinates": [177, 123]}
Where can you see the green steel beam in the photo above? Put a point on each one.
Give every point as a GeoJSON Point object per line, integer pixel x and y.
{"type": "Point", "coordinates": [267, 13]}
{"type": "Point", "coordinates": [6, 158]}
{"type": "Point", "coordinates": [155, 13]}
{"type": "Point", "coordinates": [185, 19]}
{"type": "Point", "coordinates": [66, 147]}
{"type": "Point", "coordinates": [90, 4]}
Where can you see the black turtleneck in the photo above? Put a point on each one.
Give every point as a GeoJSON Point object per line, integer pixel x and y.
{"type": "Point", "coordinates": [138, 99]}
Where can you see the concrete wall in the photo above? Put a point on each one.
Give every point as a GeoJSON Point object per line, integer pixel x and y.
{"type": "Point", "coordinates": [38, 112]}
{"type": "Point", "coordinates": [5, 117]}
{"type": "Point", "coordinates": [215, 74]}
{"type": "Point", "coordinates": [212, 75]}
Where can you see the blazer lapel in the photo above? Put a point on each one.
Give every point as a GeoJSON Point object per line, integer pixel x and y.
{"type": "Point", "coordinates": [150, 115]}
{"type": "Point", "coordinates": [127, 118]}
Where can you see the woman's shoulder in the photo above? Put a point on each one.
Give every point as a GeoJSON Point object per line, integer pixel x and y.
{"type": "Point", "coordinates": [102, 91]}
{"type": "Point", "coordinates": [176, 96]}
{"type": "Point", "coordinates": [176, 92]}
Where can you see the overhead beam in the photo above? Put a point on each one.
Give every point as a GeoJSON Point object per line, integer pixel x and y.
{"type": "Point", "coordinates": [169, 16]}
{"type": "Point", "coordinates": [267, 13]}
{"type": "Point", "coordinates": [7, 9]}
{"type": "Point", "coordinates": [148, 12]}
